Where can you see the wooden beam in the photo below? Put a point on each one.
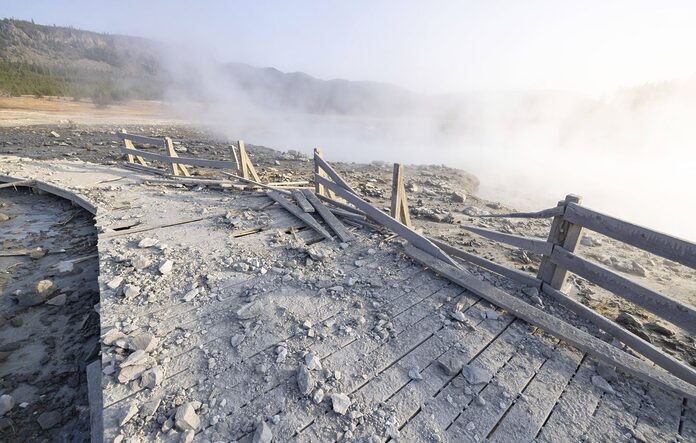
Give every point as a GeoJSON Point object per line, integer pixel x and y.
{"type": "Point", "coordinates": [302, 200]}
{"type": "Point", "coordinates": [527, 243]}
{"type": "Point", "coordinates": [597, 348]}
{"type": "Point", "coordinates": [672, 248]}
{"type": "Point", "coordinates": [385, 220]}
{"type": "Point", "coordinates": [180, 160]}
{"type": "Point", "coordinates": [319, 189]}
{"type": "Point", "coordinates": [570, 237]}
{"type": "Point", "coordinates": [248, 170]}
{"type": "Point", "coordinates": [172, 153]}
{"type": "Point", "coordinates": [132, 156]}
{"type": "Point", "coordinates": [666, 361]}
{"type": "Point", "coordinates": [330, 219]}
{"type": "Point", "coordinates": [399, 202]}
{"type": "Point", "coordinates": [255, 183]}
{"type": "Point", "coordinates": [142, 139]}
{"type": "Point", "coordinates": [331, 172]}
{"type": "Point", "coordinates": [297, 212]}
{"type": "Point", "coordinates": [338, 204]}
{"type": "Point", "coordinates": [666, 307]}
{"type": "Point", "coordinates": [513, 274]}
{"type": "Point", "coordinates": [547, 267]}
{"type": "Point", "coordinates": [545, 213]}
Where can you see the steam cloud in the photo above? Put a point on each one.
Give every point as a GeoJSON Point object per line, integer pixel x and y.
{"type": "Point", "coordinates": [630, 154]}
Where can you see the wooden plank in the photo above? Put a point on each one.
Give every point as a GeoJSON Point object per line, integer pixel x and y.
{"type": "Point", "coordinates": [335, 176]}
{"type": "Point", "coordinates": [149, 169]}
{"type": "Point", "coordinates": [547, 267]}
{"type": "Point", "coordinates": [142, 139]}
{"type": "Point", "coordinates": [666, 361]}
{"type": "Point", "coordinates": [302, 200]}
{"type": "Point", "coordinates": [525, 418]}
{"type": "Point", "coordinates": [338, 204]}
{"type": "Point", "coordinates": [666, 307]}
{"type": "Point", "coordinates": [297, 212]}
{"type": "Point", "coordinates": [330, 219]}
{"type": "Point", "coordinates": [172, 153]}
{"type": "Point", "coordinates": [18, 183]}
{"type": "Point", "coordinates": [527, 243]}
{"type": "Point", "coordinates": [569, 238]}
{"type": "Point", "coordinates": [180, 160]}
{"type": "Point", "coordinates": [399, 202]}
{"type": "Point", "coordinates": [514, 274]}
{"type": "Point", "coordinates": [544, 213]}
{"type": "Point", "coordinates": [131, 157]}
{"type": "Point", "coordinates": [600, 350]}
{"type": "Point", "coordinates": [248, 170]}
{"type": "Point", "coordinates": [255, 183]}
{"type": "Point", "coordinates": [385, 220]}
{"type": "Point", "coordinates": [667, 246]}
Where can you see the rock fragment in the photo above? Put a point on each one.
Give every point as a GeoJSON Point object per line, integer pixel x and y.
{"type": "Point", "coordinates": [129, 413]}
{"type": "Point", "coordinates": [602, 384]}
{"type": "Point", "coordinates": [6, 404]}
{"type": "Point", "coordinates": [50, 419]}
{"type": "Point", "coordinates": [414, 374]}
{"type": "Point", "coordinates": [137, 358]}
{"type": "Point", "coordinates": [250, 310]}
{"type": "Point", "coordinates": [131, 291]}
{"type": "Point", "coordinates": [186, 418]}
{"type": "Point", "coordinates": [263, 433]}
{"type": "Point", "coordinates": [144, 341]}
{"type": "Point", "coordinates": [147, 242]}
{"type": "Point", "coordinates": [304, 380]}
{"type": "Point", "coordinates": [475, 375]}
{"type": "Point", "coordinates": [115, 282]}
{"type": "Point", "coordinates": [166, 267]}
{"type": "Point", "coordinates": [340, 403]}
{"type": "Point", "coordinates": [152, 377]}
{"type": "Point", "coordinates": [58, 300]}
{"type": "Point", "coordinates": [318, 396]}
{"type": "Point", "coordinates": [4, 217]}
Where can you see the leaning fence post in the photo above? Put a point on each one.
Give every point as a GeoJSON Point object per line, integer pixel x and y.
{"type": "Point", "coordinates": [565, 235]}
{"type": "Point", "coordinates": [318, 187]}
{"type": "Point", "coordinates": [399, 203]}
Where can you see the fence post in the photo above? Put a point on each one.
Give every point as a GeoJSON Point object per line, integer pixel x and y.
{"type": "Point", "coordinates": [399, 203]}
{"type": "Point", "coordinates": [319, 188]}
{"type": "Point", "coordinates": [566, 235]}
{"type": "Point", "coordinates": [172, 153]}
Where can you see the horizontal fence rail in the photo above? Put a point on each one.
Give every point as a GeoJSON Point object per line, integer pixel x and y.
{"type": "Point", "coordinates": [527, 243]}
{"type": "Point", "coordinates": [143, 140]}
{"type": "Point", "coordinates": [659, 304]}
{"type": "Point", "coordinates": [672, 248]}
{"type": "Point", "coordinates": [181, 160]}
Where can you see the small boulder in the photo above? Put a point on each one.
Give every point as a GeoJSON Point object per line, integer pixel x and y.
{"type": "Point", "coordinates": [186, 418]}
{"type": "Point", "coordinates": [263, 434]}
{"type": "Point", "coordinates": [304, 380]}
{"type": "Point", "coordinates": [6, 404]}
{"type": "Point", "coordinates": [340, 403]}
{"type": "Point", "coordinates": [166, 267]}
{"type": "Point", "coordinates": [602, 384]}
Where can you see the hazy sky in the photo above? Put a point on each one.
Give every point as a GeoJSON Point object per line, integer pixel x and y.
{"type": "Point", "coordinates": [427, 46]}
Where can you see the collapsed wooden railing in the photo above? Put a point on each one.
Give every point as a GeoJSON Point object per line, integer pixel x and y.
{"type": "Point", "coordinates": [557, 253]}
{"type": "Point", "coordinates": [558, 260]}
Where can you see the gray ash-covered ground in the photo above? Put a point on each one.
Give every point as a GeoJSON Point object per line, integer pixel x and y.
{"type": "Point", "coordinates": [441, 200]}
{"type": "Point", "coordinates": [48, 325]}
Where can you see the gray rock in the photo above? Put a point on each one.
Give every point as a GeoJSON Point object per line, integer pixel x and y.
{"type": "Point", "coordinates": [475, 375]}
{"type": "Point", "coordinates": [166, 267]}
{"type": "Point", "coordinates": [137, 358]}
{"type": "Point", "coordinates": [414, 374]}
{"type": "Point", "coordinates": [131, 291]}
{"type": "Point", "coordinates": [58, 300]}
{"type": "Point", "coordinates": [130, 373]}
{"type": "Point", "coordinates": [145, 341]}
{"type": "Point", "coordinates": [187, 437]}
{"type": "Point", "coordinates": [262, 434]}
{"type": "Point", "coordinates": [627, 319]}
{"type": "Point", "coordinates": [458, 197]}
{"type": "Point", "coordinates": [186, 418]}
{"type": "Point", "coordinates": [318, 396]}
{"type": "Point", "coordinates": [152, 377]}
{"type": "Point", "coordinates": [115, 282]}
{"type": "Point", "coordinates": [6, 404]}
{"type": "Point", "coordinates": [304, 380]}
{"type": "Point", "coordinates": [340, 403]}
{"type": "Point", "coordinates": [602, 384]}
{"type": "Point", "coordinates": [128, 413]}
{"type": "Point", "coordinates": [250, 310]}
{"type": "Point", "coordinates": [451, 366]}
{"type": "Point", "coordinates": [147, 242]}
{"type": "Point", "coordinates": [312, 361]}
{"type": "Point", "coordinates": [48, 420]}
{"type": "Point", "coordinates": [4, 217]}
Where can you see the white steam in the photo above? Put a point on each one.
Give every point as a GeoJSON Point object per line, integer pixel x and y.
{"type": "Point", "coordinates": [631, 154]}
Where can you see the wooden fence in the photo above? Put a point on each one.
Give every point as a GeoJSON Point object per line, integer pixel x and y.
{"type": "Point", "coordinates": [558, 257]}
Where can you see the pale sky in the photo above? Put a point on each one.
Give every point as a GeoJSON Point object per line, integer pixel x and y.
{"type": "Point", "coordinates": [427, 46]}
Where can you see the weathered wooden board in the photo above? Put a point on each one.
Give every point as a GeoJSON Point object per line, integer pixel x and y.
{"type": "Point", "coordinates": [668, 308]}
{"type": "Point", "coordinates": [180, 160]}
{"type": "Point", "coordinates": [600, 350]}
{"type": "Point", "coordinates": [386, 221]}
{"type": "Point", "coordinates": [330, 219]}
{"type": "Point", "coordinates": [672, 248]}
{"type": "Point", "coordinates": [514, 274]}
{"type": "Point", "coordinates": [297, 212]}
{"type": "Point", "coordinates": [302, 200]}
{"type": "Point", "coordinates": [52, 189]}
{"type": "Point", "coordinates": [544, 213]}
{"type": "Point", "coordinates": [636, 343]}
{"type": "Point", "coordinates": [143, 139]}
{"type": "Point", "coordinates": [335, 176]}
{"type": "Point", "coordinates": [527, 243]}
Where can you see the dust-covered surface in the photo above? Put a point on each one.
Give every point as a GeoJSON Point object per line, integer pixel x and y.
{"type": "Point", "coordinates": [49, 329]}
{"type": "Point", "coordinates": [210, 333]}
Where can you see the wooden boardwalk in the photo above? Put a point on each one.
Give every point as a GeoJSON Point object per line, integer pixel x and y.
{"type": "Point", "coordinates": [381, 325]}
